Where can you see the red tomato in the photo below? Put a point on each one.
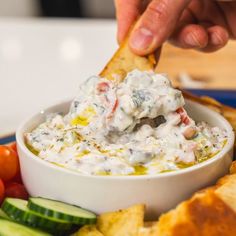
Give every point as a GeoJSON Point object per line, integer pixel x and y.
{"type": "Point", "coordinates": [13, 146]}
{"type": "Point", "coordinates": [2, 191]}
{"type": "Point", "coordinates": [18, 178]}
{"type": "Point", "coordinates": [183, 115]}
{"type": "Point", "coordinates": [114, 107]}
{"type": "Point", "coordinates": [103, 87]}
{"type": "Point", "coordinates": [16, 190]}
{"type": "Point", "coordinates": [9, 163]}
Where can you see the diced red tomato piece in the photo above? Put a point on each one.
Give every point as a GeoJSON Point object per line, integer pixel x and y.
{"type": "Point", "coordinates": [103, 87]}
{"type": "Point", "coordinates": [183, 115]}
{"type": "Point", "coordinates": [116, 103]}
{"type": "Point", "coordinates": [115, 106]}
{"type": "Point", "coordinates": [9, 163]}
{"type": "Point", "coordinates": [16, 190]}
{"type": "Point", "coordinates": [2, 191]}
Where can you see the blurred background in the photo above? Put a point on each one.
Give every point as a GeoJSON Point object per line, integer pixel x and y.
{"type": "Point", "coordinates": [58, 8]}
{"type": "Point", "coordinates": [48, 47]}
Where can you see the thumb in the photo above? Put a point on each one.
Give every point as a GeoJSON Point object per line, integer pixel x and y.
{"type": "Point", "coordinates": [127, 12]}
{"type": "Point", "coordinates": [156, 25]}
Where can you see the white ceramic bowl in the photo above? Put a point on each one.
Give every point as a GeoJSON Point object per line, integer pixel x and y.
{"type": "Point", "coordinates": [107, 193]}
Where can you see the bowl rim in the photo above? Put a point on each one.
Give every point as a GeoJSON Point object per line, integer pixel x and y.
{"type": "Point", "coordinates": [228, 146]}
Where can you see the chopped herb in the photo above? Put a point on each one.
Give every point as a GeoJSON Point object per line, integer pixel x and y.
{"type": "Point", "coordinates": [76, 104]}
{"type": "Point", "coordinates": [60, 140]}
{"type": "Point", "coordinates": [139, 96]}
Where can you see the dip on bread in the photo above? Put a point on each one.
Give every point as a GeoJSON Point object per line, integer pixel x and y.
{"type": "Point", "coordinates": [135, 127]}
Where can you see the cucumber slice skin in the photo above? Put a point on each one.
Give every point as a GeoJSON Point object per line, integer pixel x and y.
{"type": "Point", "coordinates": [36, 205]}
{"type": "Point", "coordinates": [32, 219]}
{"type": "Point", "coordinates": [3, 215]}
{"type": "Point", "coordinates": [9, 228]}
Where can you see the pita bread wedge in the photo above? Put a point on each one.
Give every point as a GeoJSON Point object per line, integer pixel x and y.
{"type": "Point", "coordinates": [149, 229]}
{"type": "Point", "coordinates": [226, 191]}
{"type": "Point", "coordinates": [211, 212]}
{"type": "Point", "coordinates": [125, 222]}
{"type": "Point", "coordinates": [88, 230]}
{"type": "Point", "coordinates": [124, 61]}
{"type": "Point", "coordinates": [233, 168]}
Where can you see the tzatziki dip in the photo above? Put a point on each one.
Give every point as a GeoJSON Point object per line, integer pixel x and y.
{"type": "Point", "coordinates": [135, 127]}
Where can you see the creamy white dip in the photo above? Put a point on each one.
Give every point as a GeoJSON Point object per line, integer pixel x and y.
{"type": "Point", "coordinates": [135, 127]}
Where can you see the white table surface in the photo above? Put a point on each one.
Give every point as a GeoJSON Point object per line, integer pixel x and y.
{"type": "Point", "coordinates": [43, 61]}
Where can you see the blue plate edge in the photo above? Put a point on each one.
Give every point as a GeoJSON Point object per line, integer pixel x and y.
{"type": "Point", "coordinates": [7, 139]}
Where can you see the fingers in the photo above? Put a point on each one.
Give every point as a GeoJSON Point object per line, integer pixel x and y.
{"type": "Point", "coordinates": [209, 31]}
{"type": "Point", "coordinates": [127, 12]}
{"type": "Point", "coordinates": [218, 38]}
{"type": "Point", "coordinates": [198, 37]}
{"type": "Point", "coordinates": [207, 11]}
{"type": "Point", "coordinates": [229, 9]}
{"type": "Point", "coordinates": [159, 20]}
{"type": "Point", "coordinates": [156, 24]}
{"type": "Point", "coordinates": [190, 36]}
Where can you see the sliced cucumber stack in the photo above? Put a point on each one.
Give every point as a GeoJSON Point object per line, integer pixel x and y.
{"type": "Point", "coordinates": [17, 210]}
{"type": "Point", "coordinates": [61, 211]}
{"type": "Point", "coordinates": [9, 228]}
{"type": "Point", "coordinates": [48, 215]}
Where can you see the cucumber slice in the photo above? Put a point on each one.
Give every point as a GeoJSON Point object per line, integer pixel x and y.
{"type": "Point", "coordinates": [3, 215]}
{"type": "Point", "coordinates": [9, 228]}
{"type": "Point", "coordinates": [17, 210]}
{"type": "Point", "coordinates": [60, 210]}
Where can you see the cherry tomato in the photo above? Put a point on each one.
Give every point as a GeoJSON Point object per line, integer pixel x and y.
{"type": "Point", "coordinates": [13, 146]}
{"type": "Point", "coordinates": [16, 190]}
{"type": "Point", "coordinates": [17, 178]}
{"type": "Point", "coordinates": [9, 163]}
{"type": "Point", "coordinates": [2, 191]}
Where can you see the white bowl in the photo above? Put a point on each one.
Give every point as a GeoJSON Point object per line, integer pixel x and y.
{"type": "Point", "coordinates": [108, 193]}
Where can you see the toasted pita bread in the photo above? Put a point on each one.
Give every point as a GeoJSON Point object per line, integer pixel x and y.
{"type": "Point", "coordinates": [149, 229]}
{"type": "Point", "coordinates": [125, 222]}
{"type": "Point", "coordinates": [124, 61]}
{"type": "Point", "coordinates": [88, 230]}
{"type": "Point", "coordinates": [226, 191]}
{"type": "Point", "coordinates": [211, 212]}
{"type": "Point", "coordinates": [233, 168]}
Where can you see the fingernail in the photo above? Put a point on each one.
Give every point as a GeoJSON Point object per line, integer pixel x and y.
{"type": "Point", "coordinates": [216, 39]}
{"type": "Point", "coordinates": [192, 40]}
{"type": "Point", "coordinates": [141, 39]}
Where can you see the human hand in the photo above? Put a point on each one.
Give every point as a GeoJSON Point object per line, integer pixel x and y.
{"type": "Point", "coordinates": [205, 25]}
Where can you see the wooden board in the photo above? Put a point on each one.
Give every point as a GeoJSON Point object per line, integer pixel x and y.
{"type": "Point", "coordinates": [218, 69]}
